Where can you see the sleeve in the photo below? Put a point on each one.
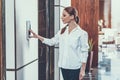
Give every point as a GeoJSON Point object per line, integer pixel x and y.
{"type": "Point", "coordinates": [84, 47]}
{"type": "Point", "coordinates": [52, 41]}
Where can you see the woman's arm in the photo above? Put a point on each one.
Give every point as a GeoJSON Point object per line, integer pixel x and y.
{"type": "Point", "coordinates": [84, 53]}
{"type": "Point", "coordinates": [82, 71]}
{"type": "Point", "coordinates": [50, 42]}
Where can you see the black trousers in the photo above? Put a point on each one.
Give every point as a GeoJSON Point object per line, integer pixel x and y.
{"type": "Point", "coordinates": [70, 74]}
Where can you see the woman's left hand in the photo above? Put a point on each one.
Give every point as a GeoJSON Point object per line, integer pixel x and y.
{"type": "Point", "coordinates": [82, 74]}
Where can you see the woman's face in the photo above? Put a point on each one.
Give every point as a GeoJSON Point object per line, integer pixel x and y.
{"type": "Point", "coordinates": [66, 18]}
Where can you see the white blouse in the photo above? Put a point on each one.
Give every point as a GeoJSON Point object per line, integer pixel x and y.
{"type": "Point", "coordinates": [73, 47]}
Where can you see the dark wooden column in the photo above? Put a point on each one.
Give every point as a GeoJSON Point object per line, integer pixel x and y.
{"type": "Point", "coordinates": [46, 29]}
{"type": "Point", "coordinates": [1, 65]}
{"type": "Point", "coordinates": [88, 11]}
{"type": "Point", "coordinates": [2, 40]}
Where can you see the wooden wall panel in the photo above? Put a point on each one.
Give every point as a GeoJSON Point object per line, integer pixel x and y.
{"type": "Point", "coordinates": [88, 11]}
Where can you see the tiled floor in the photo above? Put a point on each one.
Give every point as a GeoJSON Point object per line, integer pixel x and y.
{"type": "Point", "coordinates": [109, 64]}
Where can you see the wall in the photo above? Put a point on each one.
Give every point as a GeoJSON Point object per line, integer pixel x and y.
{"type": "Point", "coordinates": [58, 8]}
{"type": "Point", "coordinates": [107, 13]}
{"type": "Point", "coordinates": [115, 13]}
{"type": "Point", "coordinates": [21, 54]}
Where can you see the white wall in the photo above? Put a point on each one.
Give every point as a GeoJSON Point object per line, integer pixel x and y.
{"type": "Point", "coordinates": [10, 34]}
{"type": "Point", "coordinates": [115, 13]}
{"type": "Point", "coordinates": [23, 51]}
{"type": "Point", "coordinates": [10, 60]}
{"type": "Point", "coordinates": [26, 50]}
{"type": "Point", "coordinates": [59, 6]}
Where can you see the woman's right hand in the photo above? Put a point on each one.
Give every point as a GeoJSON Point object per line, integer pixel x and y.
{"type": "Point", "coordinates": [34, 35]}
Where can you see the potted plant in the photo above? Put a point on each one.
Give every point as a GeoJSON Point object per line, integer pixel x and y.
{"type": "Point", "coordinates": [91, 44]}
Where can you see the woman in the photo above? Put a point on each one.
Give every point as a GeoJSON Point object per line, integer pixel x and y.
{"type": "Point", "coordinates": [73, 46]}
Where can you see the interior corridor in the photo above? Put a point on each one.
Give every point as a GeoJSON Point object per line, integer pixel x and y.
{"type": "Point", "coordinates": [108, 64]}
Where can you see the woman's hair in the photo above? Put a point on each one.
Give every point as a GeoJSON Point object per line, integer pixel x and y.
{"type": "Point", "coordinates": [71, 11]}
{"type": "Point", "coordinates": [63, 29]}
